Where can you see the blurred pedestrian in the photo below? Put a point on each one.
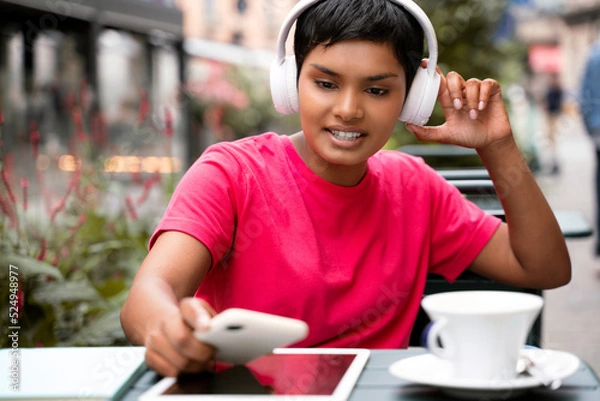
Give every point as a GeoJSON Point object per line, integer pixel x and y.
{"type": "Point", "coordinates": [590, 110]}
{"type": "Point", "coordinates": [554, 98]}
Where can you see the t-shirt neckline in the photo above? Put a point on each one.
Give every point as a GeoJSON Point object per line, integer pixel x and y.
{"type": "Point", "coordinates": [310, 177]}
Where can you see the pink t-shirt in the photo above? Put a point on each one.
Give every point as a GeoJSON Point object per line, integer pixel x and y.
{"type": "Point", "coordinates": [350, 261]}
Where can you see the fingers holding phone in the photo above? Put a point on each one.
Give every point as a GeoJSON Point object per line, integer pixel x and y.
{"type": "Point", "coordinates": [197, 313]}
{"type": "Point", "coordinates": [172, 348]}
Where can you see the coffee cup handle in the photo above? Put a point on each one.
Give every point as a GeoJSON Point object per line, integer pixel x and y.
{"type": "Point", "coordinates": [432, 336]}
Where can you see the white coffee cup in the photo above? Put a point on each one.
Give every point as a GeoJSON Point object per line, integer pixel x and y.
{"type": "Point", "coordinates": [482, 332]}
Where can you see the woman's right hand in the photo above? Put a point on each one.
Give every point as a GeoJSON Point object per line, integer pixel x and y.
{"type": "Point", "coordinates": [172, 348]}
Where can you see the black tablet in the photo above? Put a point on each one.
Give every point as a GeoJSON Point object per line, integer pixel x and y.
{"type": "Point", "coordinates": [298, 374]}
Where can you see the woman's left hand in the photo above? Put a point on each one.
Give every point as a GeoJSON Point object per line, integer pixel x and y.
{"type": "Point", "coordinates": [475, 113]}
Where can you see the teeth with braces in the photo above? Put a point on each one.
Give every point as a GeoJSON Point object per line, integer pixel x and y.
{"type": "Point", "coordinates": [346, 136]}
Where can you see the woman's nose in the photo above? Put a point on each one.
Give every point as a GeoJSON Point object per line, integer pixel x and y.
{"type": "Point", "coordinates": [348, 106]}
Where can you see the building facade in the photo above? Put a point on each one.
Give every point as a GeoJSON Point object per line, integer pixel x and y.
{"type": "Point", "coordinates": [252, 24]}
{"type": "Point", "coordinates": [104, 60]}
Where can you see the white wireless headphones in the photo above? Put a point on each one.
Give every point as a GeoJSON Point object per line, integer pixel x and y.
{"type": "Point", "coordinates": [422, 94]}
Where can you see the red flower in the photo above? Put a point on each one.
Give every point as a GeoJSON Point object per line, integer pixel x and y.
{"type": "Point", "coordinates": [148, 184]}
{"type": "Point", "coordinates": [73, 184]}
{"type": "Point", "coordinates": [99, 135]}
{"type": "Point", "coordinates": [78, 121]}
{"type": "Point", "coordinates": [168, 123]}
{"type": "Point", "coordinates": [43, 249]}
{"type": "Point", "coordinates": [9, 191]}
{"type": "Point", "coordinates": [131, 208]}
{"type": "Point", "coordinates": [34, 138]}
{"type": "Point", "coordinates": [25, 187]}
{"type": "Point", "coordinates": [144, 107]}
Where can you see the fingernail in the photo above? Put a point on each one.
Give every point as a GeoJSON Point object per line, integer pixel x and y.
{"type": "Point", "coordinates": [481, 105]}
{"type": "Point", "coordinates": [411, 127]}
{"type": "Point", "coordinates": [457, 104]}
{"type": "Point", "coordinates": [473, 114]}
{"type": "Point", "coordinates": [203, 320]}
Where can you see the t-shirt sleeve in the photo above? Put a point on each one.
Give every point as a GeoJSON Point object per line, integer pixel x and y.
{"type": "Point", "coordinates": [460, 229]}
{"type": "Point", "coordinates": [203, 204]}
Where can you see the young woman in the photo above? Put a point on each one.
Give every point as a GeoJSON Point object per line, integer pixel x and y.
{"type": "Point", "coordinates": [323, 225]}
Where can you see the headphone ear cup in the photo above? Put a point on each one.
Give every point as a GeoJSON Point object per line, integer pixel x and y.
{"type": "Point", "coordinates": [421, 98]}
{"type": "Point", "coordinates": [284, 90]}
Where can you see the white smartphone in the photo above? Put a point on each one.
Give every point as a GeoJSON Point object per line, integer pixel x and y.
{"type": "Point", "coordinates": [241, 335]}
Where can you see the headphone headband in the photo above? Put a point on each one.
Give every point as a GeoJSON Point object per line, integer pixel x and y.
{"type": "Point", "coordinates": [408, 5]}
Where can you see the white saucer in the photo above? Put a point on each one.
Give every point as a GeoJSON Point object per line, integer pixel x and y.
{"type": "Point", "coordinates": [430, 370]}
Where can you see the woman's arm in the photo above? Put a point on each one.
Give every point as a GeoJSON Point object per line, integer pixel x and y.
{"type": "Point", "coordinates": [529, 250]}
{"type": "Point", "coordinates": [160, 311]}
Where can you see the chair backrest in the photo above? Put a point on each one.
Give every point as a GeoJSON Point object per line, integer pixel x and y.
{"type": "Point", "coordinates": [477, 187]}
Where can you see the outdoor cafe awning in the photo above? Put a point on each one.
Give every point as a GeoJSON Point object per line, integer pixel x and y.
{"type": "Point", "coordinates": [228, 53]}
{"type": "Point", "coordinates": [132, 15]}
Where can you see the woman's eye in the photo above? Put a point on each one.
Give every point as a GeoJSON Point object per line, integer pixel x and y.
{"type": "Point", "coordinates": [377, 91]}
{"type": "Point", "coordinates": [325, 84]}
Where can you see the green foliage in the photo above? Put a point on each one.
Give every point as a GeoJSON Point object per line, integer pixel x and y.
{"type": "Point", "coordinates": [80, 282]}
{"type": "Point", "coordinates": [73, 259]}
{"type": "Point", "coordinates": [466, 31]}
{"type": "Point", "coordinates": [260, 115]}
{"type": "Point", "coordinates": [226, 118]}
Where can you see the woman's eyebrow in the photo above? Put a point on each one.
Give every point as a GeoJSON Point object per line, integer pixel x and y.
{"type": "Point", "coordinates": [325, 70]}
{"type": "Point", "coordinates": [378, 77]}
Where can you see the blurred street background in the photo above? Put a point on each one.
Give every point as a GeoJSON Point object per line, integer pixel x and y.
{"type": "Point", "coordinates": [569, 316]}
{"type": "Point", "coordinates": [104, 104]}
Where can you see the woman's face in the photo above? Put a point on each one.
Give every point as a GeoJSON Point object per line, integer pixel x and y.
{"type": "Point", "coordinates": [351, 95]}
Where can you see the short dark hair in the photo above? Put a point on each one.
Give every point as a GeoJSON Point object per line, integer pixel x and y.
{"type": "Point", "coordinates": [379, 21]}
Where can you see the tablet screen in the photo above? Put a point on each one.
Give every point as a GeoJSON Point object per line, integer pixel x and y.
{"type": "Point", "coordinates": [310, 374]}
{"type": "Point", "coordinates": [275, 374]}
